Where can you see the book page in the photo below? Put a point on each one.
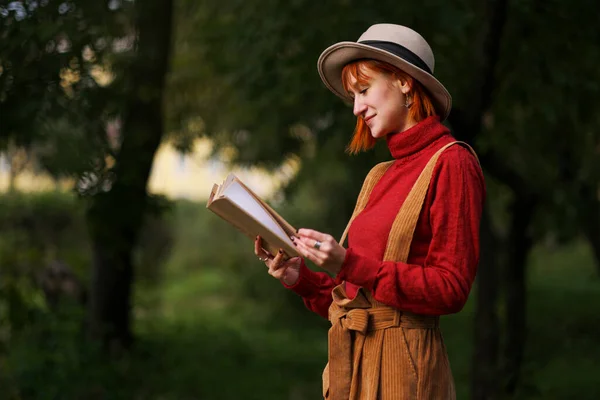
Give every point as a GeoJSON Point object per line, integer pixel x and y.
{"type": "Point", "coordinates": [237, 194]}
{"type": "Point", "coordinates": [213, 192]}
{"type": "Point", "coordinates": [225, 184]}
{"type": "Point", "coordinates": [287, 228]}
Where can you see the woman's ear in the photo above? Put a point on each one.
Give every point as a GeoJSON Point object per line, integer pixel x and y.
{"type": "Point", "coordinates": [407, 86]}
{"type": "Point", "coordinates": [404, 84]}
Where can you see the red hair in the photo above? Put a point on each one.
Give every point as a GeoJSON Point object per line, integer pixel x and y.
{"type": "Point", "coordinates": [421, 107]}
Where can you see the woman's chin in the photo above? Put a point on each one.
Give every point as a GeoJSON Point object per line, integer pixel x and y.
{"type": "Point", "coordinates": [377, 135]}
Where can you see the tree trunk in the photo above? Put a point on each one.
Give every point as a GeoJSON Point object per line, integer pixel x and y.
{"type": "Point", "coordinates": [467, 125]}
{"type": "Point", "coordinates": [593, 236]}
{"type": "Point", "coordinates": [484, 384]}
{"type": "Point", "coordinates": [116, 216]}
{"type": "Point", "coordinates": [589, 216]}
{"type": "Point", "coordinates": [519, 244]}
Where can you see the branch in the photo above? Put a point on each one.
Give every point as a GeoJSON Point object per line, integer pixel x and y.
{"type": "Point", "coordinates": [468, 120]}
{"type": "Point", "coordinates": [490, 160]}
{"type": "Point", "coordinates": [500, 170]}
{"type": "Point", "coordinates": [490, 49]}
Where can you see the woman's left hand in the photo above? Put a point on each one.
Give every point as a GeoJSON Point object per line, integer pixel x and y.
{"type": "Point", "coordinates": [321, 249]}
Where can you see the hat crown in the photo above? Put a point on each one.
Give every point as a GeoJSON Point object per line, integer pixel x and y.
{"type": "Point", "coordinates": [402, 36]}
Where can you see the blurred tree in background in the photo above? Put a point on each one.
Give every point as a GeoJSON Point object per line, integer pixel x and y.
{"type": "Point", "coordinates": [117, 214]}
{"type": "Point", "coordinates": [72, 71]}
{"type": "Point", "coordinates": [56, 62]}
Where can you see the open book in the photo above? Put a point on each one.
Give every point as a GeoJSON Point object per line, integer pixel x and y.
{"type": "Point", "coordinates": [241, 207]}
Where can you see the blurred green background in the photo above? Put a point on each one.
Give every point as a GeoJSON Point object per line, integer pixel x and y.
{"type": "Point", "coordinates": [211, 326]}
{"type": "Point", "coordinates": [112, 287]}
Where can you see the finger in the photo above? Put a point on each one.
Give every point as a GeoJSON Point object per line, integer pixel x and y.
{"type": "Point", "coordinates": [257, 247]}
{"type": "Point", "coordinates": [276, 263]}
{"type": "Point", "coordinates": [324, 246]}
{"type": "Point", "coordinates": [312, 234]}
{"type": "Point", "coordinates": [260, 252]}
{"type": "Point", "coordinates": [311, 237]}
{"type": "Point", "coordinates": [311, 253]}
{"type": "Point", "coordinates": [278, 274]}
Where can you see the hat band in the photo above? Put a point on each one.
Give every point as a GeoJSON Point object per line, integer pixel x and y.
{"type": "Point", "coordinates": [400, 51]}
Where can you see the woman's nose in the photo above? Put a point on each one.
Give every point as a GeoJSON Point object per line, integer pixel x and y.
{"type": "Point", "coordinates": [359, 107]}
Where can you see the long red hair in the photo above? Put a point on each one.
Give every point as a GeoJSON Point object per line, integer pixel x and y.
{"type": "Point", "coordinates": [421, 107]}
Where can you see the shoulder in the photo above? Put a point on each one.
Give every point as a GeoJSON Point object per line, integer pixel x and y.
{"type": "Point", "coordinates": [457, 156]}
{"type": "Point", "coordinates": [378, 170]}
{"type": "Point", "coordinates": [458, 165]}
{"type": "Point", "coordinates": [381, 166]}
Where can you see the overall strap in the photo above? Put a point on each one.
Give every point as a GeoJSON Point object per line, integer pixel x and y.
{"type": "Point", "coordinates": [372, 178]}
{"type": "Point", "coordinates": [403, 228]}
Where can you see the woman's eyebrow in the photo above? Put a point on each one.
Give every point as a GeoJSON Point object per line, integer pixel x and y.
{"type": "Point", "coordinates": [352, 88]}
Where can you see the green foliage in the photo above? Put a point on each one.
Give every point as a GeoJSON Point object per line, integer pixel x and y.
{"type": "Point", "coordinates": [42, 229]}
{"type": "Point", "coordinates": [44, 226]}
{"type": "Point", "coordinates": [53, 100]}
{"type": "Point", "coordinates": [249, 75]}
{"type": "Point", "coordinates": [248, 80]}
{"type": "Point", "coordinates": [203, 241]}
{"type": "Point", "coordinates": [46, 354]}
{"type": "Point", "coordinates": [540, 123]}
{"type": "Point", "coordinates": [38, 230]}
{"type": "Point", "coordinates": [208, 331]}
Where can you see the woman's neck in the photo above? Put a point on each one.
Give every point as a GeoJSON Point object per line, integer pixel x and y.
{"type": "Point", "coordinates": [415, 138]}
{"type": "Point", "coordinates": [409, 122]}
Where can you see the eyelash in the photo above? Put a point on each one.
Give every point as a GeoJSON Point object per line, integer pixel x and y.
{"type": "Point", "coordinates": [361, 92]}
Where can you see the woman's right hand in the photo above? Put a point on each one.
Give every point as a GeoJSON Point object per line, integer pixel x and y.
{"type": "Point", "coordinates": [287, 271]}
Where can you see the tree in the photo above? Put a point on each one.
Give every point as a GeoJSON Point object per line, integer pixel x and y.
{"type": "Point", "coordinates": [116, 215]}
{"type": "Point", "coordinates": [524, 147]}
{"type": "Point", "coordinates": [68, 71]}
{"type": "Point", "coordinates": [50, 56]}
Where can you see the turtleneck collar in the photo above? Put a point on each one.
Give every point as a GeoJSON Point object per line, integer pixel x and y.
{"type": "Point", "coordinates": [413, 140]}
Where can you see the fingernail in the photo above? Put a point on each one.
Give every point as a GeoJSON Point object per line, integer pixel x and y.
{"type": "Point", "coordinates": [280, 251]}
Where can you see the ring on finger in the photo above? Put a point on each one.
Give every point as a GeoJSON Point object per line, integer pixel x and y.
{"type": "Point", "coordinates": [317, 245]}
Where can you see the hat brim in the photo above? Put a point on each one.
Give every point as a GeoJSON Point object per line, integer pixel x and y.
{"type": "Point", "coordinates": [334, 58]}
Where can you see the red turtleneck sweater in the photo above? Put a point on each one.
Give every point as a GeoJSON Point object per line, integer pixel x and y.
{"type": "Point", "coordinates": [444, 252]}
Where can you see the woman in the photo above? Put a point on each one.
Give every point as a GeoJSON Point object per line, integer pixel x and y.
{"type": "Point", "coordinates": [413, 239]}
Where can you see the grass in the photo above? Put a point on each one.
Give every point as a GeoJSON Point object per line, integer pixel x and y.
{"type": "Point", "coordinates": [217, 327]}
{"type": "Point", "coordinates": [203, 341]}
{"type": "Point", "coordinates": [212, 345]}
{"type": "Point", "coordinates": [212, 349]}
{"type": "Point", "coordinates": [563, 348]}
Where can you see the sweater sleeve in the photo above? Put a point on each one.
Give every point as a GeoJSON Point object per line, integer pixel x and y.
{"type": "Point", "coordinates": [442, 284]}
{"type": "Point", "coordinates": [315, 289]}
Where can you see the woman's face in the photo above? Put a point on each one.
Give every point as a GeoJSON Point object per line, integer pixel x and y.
{"type": "Point", "coordinates": [380, 102]}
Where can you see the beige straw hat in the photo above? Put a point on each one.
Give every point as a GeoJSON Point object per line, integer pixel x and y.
{"type": "Point", "coordinates": [394, 44]}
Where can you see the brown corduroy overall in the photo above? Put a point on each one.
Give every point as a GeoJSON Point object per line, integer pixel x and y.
{"type": "Point", "coordinates": [377, 352]}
